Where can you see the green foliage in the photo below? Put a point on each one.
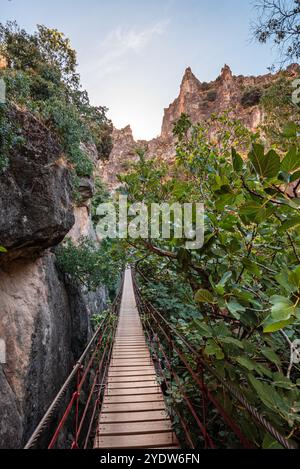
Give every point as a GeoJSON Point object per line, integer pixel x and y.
{"type": "Point", "coordinates": [100, 129]}
{"type": "Point", "coordinates": [91, 264]}
{"type": "Point", "coordinates": [5, 137]}
{"type": "Point", "coordinates": [101, 195]}
{"type": "Point", "coordinates": [246, 278]}
{"type": "Point", "coordinates": [65, 120]}
{"type": "Point", "coordinates": [9, 137]}
{"type": "Point", "coordinates": [212, 96]}
{"type": "Point", "coordinates": [282, 117]}
{"type": "Point", "coordinates": [41, 77]}
{"type": "Point", "coordinates": [251, 97]}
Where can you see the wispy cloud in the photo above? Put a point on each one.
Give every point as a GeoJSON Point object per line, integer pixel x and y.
{"type": "Point", "coordinates": [121, 43]}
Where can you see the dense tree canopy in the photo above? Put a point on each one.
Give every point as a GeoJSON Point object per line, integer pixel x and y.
{"type": "Point", "coordinates": [237, 300]}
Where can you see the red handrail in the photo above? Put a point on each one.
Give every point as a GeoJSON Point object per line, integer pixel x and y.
{"type": "Point", "coordinates": [95, 357]}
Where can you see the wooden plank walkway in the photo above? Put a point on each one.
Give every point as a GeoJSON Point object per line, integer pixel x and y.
{"type": "Point", "coordinates": [133, 413]}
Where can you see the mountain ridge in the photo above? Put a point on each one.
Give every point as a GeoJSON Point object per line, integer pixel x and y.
{"type": "Point", "coordinates": [236, 94]}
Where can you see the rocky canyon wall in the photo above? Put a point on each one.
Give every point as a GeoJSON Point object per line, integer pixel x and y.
{"type": "Point", "coordinates": [199, 100]}
{"type": "Point", "coordinates": [44, 316]}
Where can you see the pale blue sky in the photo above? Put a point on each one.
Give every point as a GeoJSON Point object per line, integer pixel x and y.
{"type": "Point", "coordinates": [132, 53]}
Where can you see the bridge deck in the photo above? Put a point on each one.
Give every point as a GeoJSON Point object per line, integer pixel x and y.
{"type": "Point", "coordinates": [133, 413]}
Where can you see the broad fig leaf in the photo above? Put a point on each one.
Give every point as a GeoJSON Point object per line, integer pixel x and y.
{"type": "Point", "coordinates": [232, 341]}
{"type": "Point", "coordinates": [282, 308]}
{"type": "Point", "coordinates": [270, 443]}
{"type": "Point", "coordinates": [271, 356]}
{"type": "Point", "coordinates": [291, 161]}
{"type": "Point", "coordinates": [275, 326]}
{"type": "Point", "coordinates": [295, 176]}
{"type": "Point", "coordinates": [237, 161]}
{"type": "Point", "coordinates": [294, 278]}
{"type": "Point", "coordinates": [246, 363]}
{"type": "Point", "coordinates": [290, 130]}
{"type": "Point", "coordinates": [235, 308]}
{"type": "Point", "coordinates": [293, 222]}
{"type": "Point", "coordinates": [266, 166]}
{"type": "Point", "coordinates": [213, 349]}
{"type": "Point", "coordinates": [251, 266]}
{"type": "Point", "coordinates": [266, 393]}
{"type": "Point", "coordinates": [204, 296]}
{"type": "Point", "coordinates": [283, 279]}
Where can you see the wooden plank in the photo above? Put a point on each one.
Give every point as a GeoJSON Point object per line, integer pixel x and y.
{"type": "Point", "coordinates": [133, 344]}
{"type": "Point", "coordinates": [130, 351]}
{"type": "Point", "coordinates": [137, 336]}
{"type": "Point", "coordinates": [135, 441]}
{"type": "Point", "coordinates": [131, 372]}
{"type": "Point", "coordinates": [133, 398]}
{"type": "Point", "coordinates": [142, 416]}
{"type": "Point", "coordinates": [134, 385]}
{"type": "Point", "coordinates": [126, 356]}
{"type": "Point", "coordinates": [131, 379]}
{"type": "Point", "coordinates": [128, 362]}
{"type": "Point", "coordinates": [174, 447]}
{"type": "Point", "coordinates": [129, 428]}
{"type": "Point", "coordinates": [132, 347]}
{"type": "Point", "coordinates": [136, 407]}
{"type": "Point", "coordinates": [132, 391]}
{"type": "Point", "coordinates": [130, 343]}
{"type": "Point", "coordinates": [129, 333]}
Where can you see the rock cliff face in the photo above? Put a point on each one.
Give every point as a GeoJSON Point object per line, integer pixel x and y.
{"type": "Point", "coordinates": [44, 317]}
{"type": "Point", "coordinates": [36, 209]}
{"type": "Point", "coordinates": [124, 152]}
{"type": "Point", "coordinates": [199, 100]}
{"type": "Point", "coordinates": [3, 62]}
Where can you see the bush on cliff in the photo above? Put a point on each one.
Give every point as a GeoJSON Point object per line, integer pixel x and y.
{"type": "Point", "coordinates": [91, 264]}
{"type": "Point", "coordinates": [41, 76]}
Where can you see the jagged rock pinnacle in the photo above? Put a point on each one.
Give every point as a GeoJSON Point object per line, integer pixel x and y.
{"type": "Point", "coordinates": [188, 75]}
{"type": "Point", "coordinates": [226, 73]}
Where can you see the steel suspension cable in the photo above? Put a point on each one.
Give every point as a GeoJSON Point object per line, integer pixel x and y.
{"type": "Point", "coordinates": [232, 390]}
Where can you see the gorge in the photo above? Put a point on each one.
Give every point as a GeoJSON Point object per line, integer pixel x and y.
{"type": "Point", "coordinates": [45, 318]}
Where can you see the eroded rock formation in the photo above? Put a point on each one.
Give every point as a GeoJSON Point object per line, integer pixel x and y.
{"type": "Point", "coordinates": [237, 95]}
{"type": "Point", "coordinates": [36, 210]}
{"type": "Point", "coordinates": [44, 316]}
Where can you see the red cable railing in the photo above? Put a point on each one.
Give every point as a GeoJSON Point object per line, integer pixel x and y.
{"type": "Point", "coordinates": [78, 403]}
{"type": "Point", "coordinates": [175, 357]}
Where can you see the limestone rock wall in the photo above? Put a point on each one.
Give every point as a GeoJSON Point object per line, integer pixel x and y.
{"type": "Point", "coordinates": [44, 316]}
{"type": "Point", "coordinates": [199, 100]}
{"type": "Point", "coordinates": [36, 209]}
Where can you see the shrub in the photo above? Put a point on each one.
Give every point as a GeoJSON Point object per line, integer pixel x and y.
{"type": "Point", "coordinates": [91, 264]}
{"type": "Point", "coordinates": [212, 96]}
{"type": "Point", "coordinates": [246, 276]}
{"type": "Point", "coordinates": [9, 137]}
{"type": "Point", "coordinates": [251, 97]}
{"type": "Point", "coordinates": [101, 195]}
{"type": "Point", "coordinates": [41, 76]}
